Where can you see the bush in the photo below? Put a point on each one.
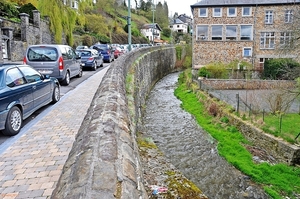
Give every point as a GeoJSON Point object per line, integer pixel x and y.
{"type": "Point", "coordinates": [217, 70]}
{"type": "Point", "coordinates": [8, 10]}
{"type": "Point", "coordinates": [281, 69]}
{"type": "Point", "coordinates": [27, 8]}
{"type": "Point", "coordinates": [203, 72]}
{"type": "Point", "coordinates": [166, 32]}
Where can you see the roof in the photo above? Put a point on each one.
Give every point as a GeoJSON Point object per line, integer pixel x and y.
{"type": "Point", "coordinates": [150, 25]}
{"type": "Point", "coordinates": [206, 3]}
{"type": "Point", "coordinates": [177, 21]}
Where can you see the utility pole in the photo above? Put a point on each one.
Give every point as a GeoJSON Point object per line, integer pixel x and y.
{"type": "Point", "coordinates": [129, 26]}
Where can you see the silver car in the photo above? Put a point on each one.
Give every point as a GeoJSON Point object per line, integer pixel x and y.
{"type": "Point", "coordinates": [59, 61]}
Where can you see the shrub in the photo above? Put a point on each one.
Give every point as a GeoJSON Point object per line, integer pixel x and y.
{"type": "Point", "coordinates": [213, 109]}
{"type": "Point", "coordinates": [217, 70]}
{"type": "Point", "coordinates": [283, 68]}
{"type": "Point", "coordinates": [203, 72]}
{"type": "Point", "coordinates": [27, 8]}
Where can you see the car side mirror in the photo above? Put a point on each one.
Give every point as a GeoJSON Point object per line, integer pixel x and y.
{"type": "Point", "coordinates": [78, 57]}
{"type": "Point", "coordinates": [46, 76]}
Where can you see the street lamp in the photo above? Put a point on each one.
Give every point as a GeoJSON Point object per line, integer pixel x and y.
{"type": "Point", "coordinates": [153, 9]}
{"type": "Point", "coordinates": [129, 26]}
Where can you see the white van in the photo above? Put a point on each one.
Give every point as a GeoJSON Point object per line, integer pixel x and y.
{"type": "Point", "coordinates": [58, 61]}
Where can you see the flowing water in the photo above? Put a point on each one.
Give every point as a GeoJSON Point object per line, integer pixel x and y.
{"type": "Point", "coordinates": [190, 148]}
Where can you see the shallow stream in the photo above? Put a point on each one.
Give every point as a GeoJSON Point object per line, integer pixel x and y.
{"type": "Point", "coordinates": [190, 149]}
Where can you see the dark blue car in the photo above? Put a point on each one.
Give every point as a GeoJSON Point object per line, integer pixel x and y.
{"type": "Point", "coordinates": [90, 58]}
{"type": "Point", "coordinates": [106, 51]}
{"type": "Point", "coordinates": [23, 90]}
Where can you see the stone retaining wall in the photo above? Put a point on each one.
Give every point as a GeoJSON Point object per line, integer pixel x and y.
{"type": "Point", "coordinates": [104, 161]}
{"type": "Point", "coordinates": [278, 148]}
{"type": "Point", "coordinates": [239, 84]}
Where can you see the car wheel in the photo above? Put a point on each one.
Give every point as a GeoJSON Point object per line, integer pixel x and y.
{"type": "Point", "coordinates": [94, 66]}
{"type": "Point", "coordinates": [56, 94]}
{"type": "Point", "coordinates": [80, 72]}
{"type": "Point", "coordinates": [13, 122]}
{"type": "Point", "coordinates": [66, 81]}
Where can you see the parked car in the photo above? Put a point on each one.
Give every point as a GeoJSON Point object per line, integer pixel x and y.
{"type": "Point", "coordinates": [105, 50]}
{"type": "Point", "coordinates": [78, 48]}
{"type": "Point", "coordinates": [58, 61]}
{"type": "Point", "coordinates": [82, 47]}
{"type": "Point", "coordinates": [23, 90]}
{"type": "Point", "coordinates": [90, 58]}
{"type": "Point", "coordinates": [117, 52]}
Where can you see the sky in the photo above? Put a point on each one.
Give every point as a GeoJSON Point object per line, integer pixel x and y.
{"type": "Point", "coordinates": [181, 7]}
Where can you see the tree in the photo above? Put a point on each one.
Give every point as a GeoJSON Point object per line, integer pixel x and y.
{"type": "Point", "coordinates": [289, 43]}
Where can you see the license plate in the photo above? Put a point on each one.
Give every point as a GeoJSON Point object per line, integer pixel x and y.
{"type": "Point", "coordinates": [46, 72]}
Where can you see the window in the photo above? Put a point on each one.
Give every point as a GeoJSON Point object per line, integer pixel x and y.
{"type": "Point", "coordinates": [286, 39]}
{"type": "Point", "coordinates": [217, 12]}
{"type": "Point", "coordinates": [247, 52]}
{"type": "Point", "coordinates": [202, 32]}
{"type": "Point", "coordinates": [203, 12]}
{"type": "Point", "coordinates": [267, 40]}
{"type": "Point", "coordinates": [269, 17]}
{"type": "Point", "coordinates": [216, 32]}
{"type": "Point", "coordinates": [231, 12]}
{"type": "Point", "coordinates": [30, 74]}
{"type": "Point", "coordinates": [261, 60]}
{"type": "Point", "coordinates": [288, 16]}
{"type": "Point", "coordinates": [14, 78]}
{"type": "Point", "coordinates": [246, 11]}
{"type": "Point", "coordinates": [231, 32]}
{"type": "Point", "coordinates": [246, 32]}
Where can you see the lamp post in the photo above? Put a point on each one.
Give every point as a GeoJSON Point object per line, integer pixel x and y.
{"type": "Point", "coordinates": [153, 23]}
{"type": "Point", "coordinates": [129, 26]}
{"type": "Point", "coordinates": [1, 41]}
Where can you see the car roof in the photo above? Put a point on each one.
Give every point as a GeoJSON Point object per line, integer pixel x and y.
{"type": "Point", "coordinates": [8, 65]}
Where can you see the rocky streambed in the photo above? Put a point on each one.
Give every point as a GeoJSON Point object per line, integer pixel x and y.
{"type": "Point", "coordinates": [183, 146]}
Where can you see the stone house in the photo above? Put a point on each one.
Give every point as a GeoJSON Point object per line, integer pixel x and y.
{"type": "Point", "coordinates": [245, 30]}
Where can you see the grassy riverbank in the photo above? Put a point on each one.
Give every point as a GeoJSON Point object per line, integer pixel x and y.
{"type": "Point", "coordinates": [278, 180]}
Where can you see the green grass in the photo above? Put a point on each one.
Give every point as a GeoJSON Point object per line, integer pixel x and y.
{"type": "Point", "coordinates": [278, 180]}
{"type": "Point", "coordinates": [289, 128]}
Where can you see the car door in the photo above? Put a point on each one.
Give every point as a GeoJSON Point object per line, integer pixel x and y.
{"type": "Point", "coordinates": [20, 92]}
{"type": "Point", "coordinates": [74, 64]}
{"type": "Point", "coordinates": [41, 87]}
{"type": "Point", "coordinates": [97, 57]}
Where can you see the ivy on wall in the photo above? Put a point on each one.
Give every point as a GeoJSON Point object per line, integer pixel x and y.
{"type": "Point", "coordinates": [62, 19]}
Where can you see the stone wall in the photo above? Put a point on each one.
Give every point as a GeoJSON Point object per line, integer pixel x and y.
{"type": "Point", "coordinates": [276, 147]}
{"type": "Point", "coordinates": [19, 35]}
{"type": "Point", "coordinates": [104, 161]}
{"type": "Point", "coordinates": [240, 84]}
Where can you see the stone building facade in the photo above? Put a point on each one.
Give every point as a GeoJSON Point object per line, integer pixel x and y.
{"type": "Point", "coordinates": [252, 31]}
{"type": "Point", "coordinates": [17, 36]}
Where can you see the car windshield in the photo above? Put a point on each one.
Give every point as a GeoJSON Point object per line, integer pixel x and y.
{"type": "Point", "coordinates": [85, 53]}
{"type": "Point", "coordinates": [42, 54]}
